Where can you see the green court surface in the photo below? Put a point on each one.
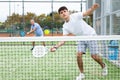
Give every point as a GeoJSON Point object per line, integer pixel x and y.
{"type": "Point", "coordinates": [18, 63]}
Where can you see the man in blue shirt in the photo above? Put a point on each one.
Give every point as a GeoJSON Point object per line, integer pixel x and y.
{"type": "Point", "coordinates": [36, 28]}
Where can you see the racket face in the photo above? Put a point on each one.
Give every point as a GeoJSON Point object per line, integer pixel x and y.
{"type": "Point", "coordinates": [39, 51]}
{"type": "Point", "coordinates": [22, 33]}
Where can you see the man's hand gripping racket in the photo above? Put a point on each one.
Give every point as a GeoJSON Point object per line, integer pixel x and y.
{"type": "Point", "coordinates": [53, 49]}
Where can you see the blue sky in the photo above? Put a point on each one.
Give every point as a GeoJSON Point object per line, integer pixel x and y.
{"type": "Point", "coordinates": [35, 7]}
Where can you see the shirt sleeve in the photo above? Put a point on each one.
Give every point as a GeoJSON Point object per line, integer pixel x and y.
{"type": "Point", "coordinates": [78, 15]}
{"type": "Point", "coordinates": [35, 26]}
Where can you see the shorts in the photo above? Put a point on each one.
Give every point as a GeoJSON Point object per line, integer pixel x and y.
{"type": "Point", "coordinates": [39, 35]}
{"type": "Point", "coordinates": [92, 46]}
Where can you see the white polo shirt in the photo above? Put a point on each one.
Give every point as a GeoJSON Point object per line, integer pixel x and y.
{"type": "Point", "coordinates": [77, 26]}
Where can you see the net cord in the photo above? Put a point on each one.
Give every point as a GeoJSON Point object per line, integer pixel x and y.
{"type": "Point", "coordinates": [59, 38]}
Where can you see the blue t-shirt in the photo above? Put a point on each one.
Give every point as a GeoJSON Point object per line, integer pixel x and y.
{"type": "Point", "coordinates": [38, 31]}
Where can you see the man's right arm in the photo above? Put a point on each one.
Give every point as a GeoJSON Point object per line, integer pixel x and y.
{"type": "Point", "coordinates": [91, 10]}
{"type": "Point", "coordinates": [54, 48]}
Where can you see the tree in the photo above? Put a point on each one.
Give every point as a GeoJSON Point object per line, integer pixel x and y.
{"type": "Point", "coordinates": [30, 16]}
{"type": "Point", "coordinates": [52, 20]}
{"type": "Point", "coordinates": [2, 25]}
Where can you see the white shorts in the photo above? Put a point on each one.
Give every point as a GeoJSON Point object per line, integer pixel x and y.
{"type": "Point", "coordinates": [91, 45]}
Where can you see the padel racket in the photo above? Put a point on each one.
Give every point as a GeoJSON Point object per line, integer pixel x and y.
{"type": "Point", "coordinates": [39, 51]}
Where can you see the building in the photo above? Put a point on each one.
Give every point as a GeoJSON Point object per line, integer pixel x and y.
{"type": "Point", "coordinates": [106, 19]}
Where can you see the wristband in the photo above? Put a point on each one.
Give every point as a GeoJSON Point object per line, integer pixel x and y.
{"type": "Point", "coordinates": [55, 47]}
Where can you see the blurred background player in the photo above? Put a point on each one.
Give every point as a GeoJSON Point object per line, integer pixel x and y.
{"type": "Point", "coordinates": [75, 25]}
{"type": "Point", "coordinates": [36, 28]}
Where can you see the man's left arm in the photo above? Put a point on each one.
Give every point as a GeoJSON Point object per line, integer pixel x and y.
{"type": "Point", "coordinates": [91, 10]}
{"type": "Point", "coordinates": [32, 30]}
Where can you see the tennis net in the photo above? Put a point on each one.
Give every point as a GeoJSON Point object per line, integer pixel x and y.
{"type": "Point", "coordinates": [17, 61]}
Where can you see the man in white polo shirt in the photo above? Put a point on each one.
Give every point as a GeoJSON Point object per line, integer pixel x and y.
{"type": "Point", "coordinates": [75, 25]}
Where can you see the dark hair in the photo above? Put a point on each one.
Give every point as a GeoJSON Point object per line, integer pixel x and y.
{"type": "Point", "coordinates": [62, 8]}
